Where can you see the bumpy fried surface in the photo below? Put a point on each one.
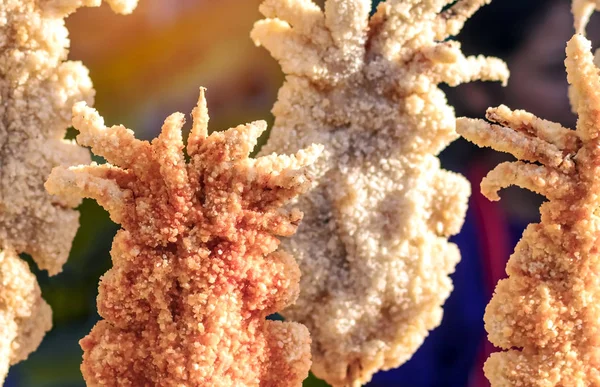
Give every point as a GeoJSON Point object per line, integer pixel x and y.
{"type": "Point", "coordinates": [373, 246]}
{"type": "Point", "coordinates": [195, 268]}
{"type": "Point", "coordinates": [37, 90]}
{"type": "Point", "coordinates": [546, 314]}
{"type": "Point", "coordinates": [582, 11]}
{"type": "Point", "coordinates": [24, 315]}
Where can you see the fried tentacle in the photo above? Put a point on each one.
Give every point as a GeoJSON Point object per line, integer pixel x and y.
{"type": "Point", "coordinates": [288, 47]}
{"type": "Point", "coordinates": [582, 11]}
{"type": "Point", "coordinates": [452, 20]}
{"type": "Point", "coordinates": [583, 76]}
{"type": "Point", "coordinates": [536, 178]}
{"type": "Point", "coordinates": [106, 141]}
{"type": "Point", "coordinates": [522, 121]}
{"type": "Point", "coordinates": [199, 130]}
{"type": "Point", "coordinates": [303, 15]}
{"type": "Point", "coordinates": [469, 69]}
{"type": "Point", "coordinates": [99, 182]}
{"type": "Point", "coordinates": [517, 143]}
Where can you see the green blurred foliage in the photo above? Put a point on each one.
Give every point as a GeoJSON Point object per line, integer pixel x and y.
{"type": "Point", "coordinates": [312, 381]}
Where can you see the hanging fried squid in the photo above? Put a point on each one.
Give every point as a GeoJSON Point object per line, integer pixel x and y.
{"type": "Point", "coordinates": [545, 314]}
{"type": "Point", "coordinates": [195, 267]}
{"type": "Point", "coordinates": [373, 247]}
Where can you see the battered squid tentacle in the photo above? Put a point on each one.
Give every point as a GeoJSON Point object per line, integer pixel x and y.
{"type": "Point", "coordinates": [545, 314]}
{"type": "Point", "coordinates": [367, 89]}
{"type": "Point", "coordinates": [582, 11]}
{"type": "Point", "coordinates": [195, 267]}
{"type": "Point", "coordinates": [452, 20]}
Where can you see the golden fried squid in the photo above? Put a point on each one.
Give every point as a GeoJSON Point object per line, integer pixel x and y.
{"type": "Point", "coordinates": [195, 267]}
{"type": "Point", "coordinates": [37, 91]}
{"type": "Point", "coordinates": [545, 314]}
{"type": "Point", "coordinates": [582, 11]}
{"type": "Point", "coordinates": [373, 247]}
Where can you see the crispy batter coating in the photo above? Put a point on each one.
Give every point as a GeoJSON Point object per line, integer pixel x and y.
{"type": "Point", "coordinates": [546, 314]}
{"type": "Point", "coordinates": [24, 315]}
{"type": "Point", "coordinates": [373, 246]}
{"type": "Point", "coordinates": [582, 11]}
{"type": "Point", "coordinates": [37, 90]}
{"type": "Point", "coordinates": [195, 267]}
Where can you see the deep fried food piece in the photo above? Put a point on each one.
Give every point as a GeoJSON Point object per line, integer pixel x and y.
{"type": "Point", "coordinates": [546, 314]}
{"type": "Point", "coordinates": [37, 90]}
{"type": "Point", "coordinates": [373, 246]}
{"type": "Point", "coordinates": [582, 11]}
{"type": "Point", "coordinates": [195, 268]}
{"type": "Point", "coordinates": [24, 315]}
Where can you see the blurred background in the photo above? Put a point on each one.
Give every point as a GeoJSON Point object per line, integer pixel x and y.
{"type": "Point", "coordinates": [151, 63]}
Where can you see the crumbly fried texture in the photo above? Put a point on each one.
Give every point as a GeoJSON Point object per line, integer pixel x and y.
{"type": "Point", "coordinates": [24, 315]}
{"type": "Point", "coordinates": [582, 11]}
{"type": "Point", "coordinates": [546, 313]}
{"type": "Point", "coordinates": [38, 87]}
{"type": "Point", "coordinates": [195, 268]}
{"type": "Point", "coordinates": [373, 246]}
